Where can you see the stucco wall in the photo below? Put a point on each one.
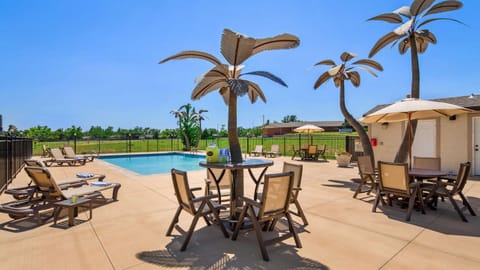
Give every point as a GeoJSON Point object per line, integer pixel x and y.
{"type": "Point", "coordinates": [454, 140]}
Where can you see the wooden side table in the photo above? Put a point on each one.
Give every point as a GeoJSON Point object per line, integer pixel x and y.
{"type": "Point", "coordinates": [72, 209]}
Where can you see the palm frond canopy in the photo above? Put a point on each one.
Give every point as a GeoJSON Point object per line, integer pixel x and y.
{"type": "Point", "coordinates": [411, 28]}
{"type": "Point", "coordinates": [267, 75]}
{"type": "Point", "coordinates": [236, 47]}
{"type": "Point", "coordinates": [346, 56]}
{"type": "Point", "coordinates": [327, 62]}
{"type": "Point", "coordinates": [418, 6]}
{"type": "Point", "coordinates": [387, 17]}
{"type": "Point", "coordinates": [404, 11]}
{"type": "Point", "coordinates": [344, 71]}
{"type": "Point", "coordinates": [444, 7]}
{"type": "Point", "coordinates": [193, 54]}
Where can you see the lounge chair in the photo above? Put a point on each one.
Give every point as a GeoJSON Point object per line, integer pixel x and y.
{"type": "Point", "coordinates": [273, 205]}
{"type": "Point", "coordinates": [447, 188]}
{"type": "Point", "coordinates": [274, 151]}
{"type": "Point", "coordinates": [59, 159]}
{"type": "Point", "coordinates": [368, 176]}
{"type": "Point", "coordinates": [258, 150]}
{"type": "Point", "coordinates": [45, 151]}
{"type": "Point", "coordinates": [50, 192]}
{"type": "Point", "coordinates": [64, 183]}
{"type": "Point", "coordinates": [196, 206]}
{"type": "Point", "coordinates": [69, 153]}
{"type": "Point", "coordinates": [394, 182]}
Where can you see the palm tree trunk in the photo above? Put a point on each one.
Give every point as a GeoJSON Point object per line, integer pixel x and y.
{"type": "Point", "coordinates": [364, 140]}
{"type": "Point", "coordinates": [199, 133]}
{"type": "Point", "coordinates": [402, 153]}
{"type": "Point", "coordinates": [235, 149]}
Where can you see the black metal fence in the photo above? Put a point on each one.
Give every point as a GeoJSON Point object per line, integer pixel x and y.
{"type": "Point", "coordinates": [13, 150]}
{"type": "Point", "coordinates": [334, 143]}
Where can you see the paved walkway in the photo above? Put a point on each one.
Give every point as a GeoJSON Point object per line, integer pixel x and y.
{"type": "Point", "coordinates": [343, 232]}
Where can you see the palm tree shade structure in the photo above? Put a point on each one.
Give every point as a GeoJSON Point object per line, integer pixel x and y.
{"type": "Point", "coordinates": [411, 35]}
{"type": "Point", "coordinates": [226, 78]}
{"type": "Point", "coordinates": [339, 74]}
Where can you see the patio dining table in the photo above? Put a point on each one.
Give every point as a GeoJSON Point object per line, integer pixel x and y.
{"type": "Point", "coordinates": [420, 174]}
{"type": "Point", "coordinates": [237, 185]}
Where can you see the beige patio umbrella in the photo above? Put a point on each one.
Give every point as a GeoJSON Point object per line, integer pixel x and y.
{"type": "Point", "coordinates": [308, 129]}
{"type": "Point", "coordinates": [411, 109]}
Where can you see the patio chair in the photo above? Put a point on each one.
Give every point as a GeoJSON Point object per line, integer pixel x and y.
{"type": "Point", "coordinates": [297, 152]}
{"type": "Point", "coordinates": [312, 153]}
{"type": "Point", "coordinates": [427, 163]}
{"type": "Point", "coordinates": [444, 187]}
{"type": "Point", "coordinates": [322, 151]}
{"type": "Point", "coordinates": [297, 170]}
{"type": "Point", "coordinates": [273, 205]}
{"type": "Point", "coordinates": [69, 153]}
{"type": "Point", "coordinates": [59, 159]}
{"type": "Point", "coordinates": [196, 206]}
{"type": "Point", "coordinates": [258, 150]}
{"type": "Point", "coordinates": [368, 176]}
{"type": "Point", "coordinates": [394, 183]}
{"type": "Point", "coordinates": [219, 182]}
{"type": "Point", "coordinates": [274, 151]}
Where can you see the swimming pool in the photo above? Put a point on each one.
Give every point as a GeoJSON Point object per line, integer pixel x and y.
{"type": "Point", "coordinates": [146, 164]}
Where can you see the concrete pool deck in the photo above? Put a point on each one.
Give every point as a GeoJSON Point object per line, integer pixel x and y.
{"type": "Point", "coordinates": [343, 232]}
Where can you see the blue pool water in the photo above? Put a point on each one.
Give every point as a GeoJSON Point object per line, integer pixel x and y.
{"type": "Point", "coordinates": [156, 163]}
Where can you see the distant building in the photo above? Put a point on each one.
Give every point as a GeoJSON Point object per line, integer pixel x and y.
{"type": "Point", "coordinates": [277, 129]}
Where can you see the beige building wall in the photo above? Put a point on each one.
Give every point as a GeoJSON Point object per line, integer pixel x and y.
{"type": "Point", "coordinates": [454, 141]}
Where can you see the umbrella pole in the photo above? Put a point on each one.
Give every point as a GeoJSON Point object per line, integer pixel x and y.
{"type": "Point", "coordinates": [409, 141]}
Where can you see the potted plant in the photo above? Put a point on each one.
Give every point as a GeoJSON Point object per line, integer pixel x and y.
{"type": "Point", "coordinates": [343, 158]}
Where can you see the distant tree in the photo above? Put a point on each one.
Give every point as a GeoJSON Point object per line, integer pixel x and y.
{"type": "Point", "coordinates": [409, 35]}
{"type": "Point", "coordinates": [339, 74]}
{"type": "Point", "coordinates": [290, 118]}
{"type": "Point", "coordinates": [40, 133]}
{"type": "Point", "coordinates": [199, 117]}
{"type": "Point", "coordinates": [72, 132]}
{"type": "Point", "coordinates": [187, 125]}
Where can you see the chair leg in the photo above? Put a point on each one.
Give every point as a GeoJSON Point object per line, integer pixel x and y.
{"type": "Point", "coordinates": [411, 203]}
{"type": "Point", "coordinates": [217, 219]}
{"type": "Point", "coordinates": [359, 188]}
{"type": "Point", "coordinates": [301, 213]}
{"type": "Point", "coordinates": [467, 204]}
{"type": "Point", "coordinates": [293, 231]}
{"type": "Point", "coordinates": [174, 221]}
{"type": "Point", "coordinates": [258, 233]}
{"type": "Point", "coordinates": [239, 223]}
{"type": "Point", "coordinates": [377, 200]}
{"type": "Point", "coordinates": [459, 211]}
{"type": "Point", "coordinates": [192, 226]}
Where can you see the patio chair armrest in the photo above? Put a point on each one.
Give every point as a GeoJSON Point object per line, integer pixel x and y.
{"type": "Point", "coordinates": [250, 201]}
{"type": "Point", "coordinates": [195, 189]}
{"type": "Point", "coordinates": [202, 198]}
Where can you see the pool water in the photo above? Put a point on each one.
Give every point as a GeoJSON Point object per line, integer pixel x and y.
{"type": "Point", "coordinates": [155, 163]}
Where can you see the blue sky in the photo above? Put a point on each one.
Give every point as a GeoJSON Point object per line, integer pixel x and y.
{"type": "Point", "coordinates": [89, 63]}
